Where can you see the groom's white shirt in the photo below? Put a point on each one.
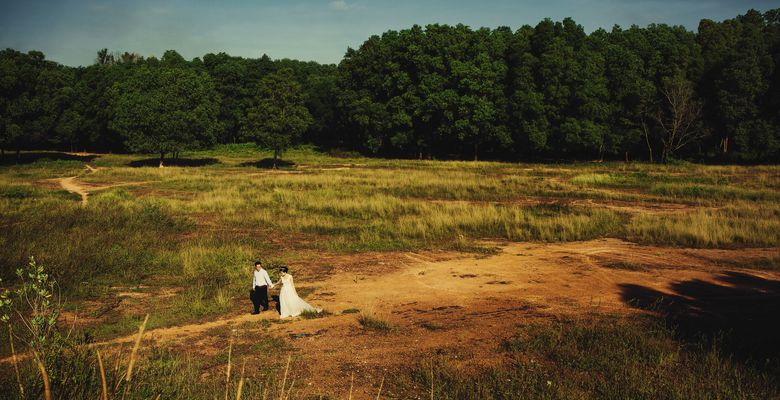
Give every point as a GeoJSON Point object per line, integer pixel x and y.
{"type": "Point", "coordinates": [261, 278]}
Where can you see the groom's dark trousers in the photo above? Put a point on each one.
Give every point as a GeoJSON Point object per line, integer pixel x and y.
{"type": "Point", "coordinates": [260, 298]}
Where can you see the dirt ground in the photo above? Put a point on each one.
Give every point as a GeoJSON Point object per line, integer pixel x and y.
{"type": "Point", "coordinates": [454, 304]}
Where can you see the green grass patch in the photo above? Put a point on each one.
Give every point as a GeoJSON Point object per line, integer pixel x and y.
{"type": "Point", "coordinates": [624, 265]}
{"type": "Point", "coordinates": [373, 323]}
{"type": "Point", "coordinates": [315, 314]}
{"type": "Point", "coordinates": [713, 192]}
{"type": "Point", "coordinates": [611, 179]}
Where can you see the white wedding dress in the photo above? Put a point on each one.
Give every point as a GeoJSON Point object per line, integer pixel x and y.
{"type": "Point", "coordinates": [289, 303]}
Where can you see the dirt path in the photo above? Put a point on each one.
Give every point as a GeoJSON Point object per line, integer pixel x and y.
{"type": "Point", "coordinates": [458, 304]}
{"type": "Point", "coordinates": [71, 185]}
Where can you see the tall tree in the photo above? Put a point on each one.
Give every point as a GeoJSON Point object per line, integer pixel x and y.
{"type": "Point", "coordinates": [278, 116]}
{"type": "Point", "coordinates": [163, 110]}
{"type": "Point", "coordinates": [526, 115]}
{"type": "Point", "coordinates": [738, 71]}
{"type": "Point", "coordinates": [478, 118]}
{"type": "Point", "coordinates": [631, 90]}
{"type": "Point", "coordinates": [232, 82]}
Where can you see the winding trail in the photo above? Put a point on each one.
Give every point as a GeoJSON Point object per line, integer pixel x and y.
{"type": "Point", "coordinates": [72, 186]}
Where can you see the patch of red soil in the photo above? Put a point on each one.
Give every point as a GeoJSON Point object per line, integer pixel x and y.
{"type": "Point", "coordinates": [459, 305]}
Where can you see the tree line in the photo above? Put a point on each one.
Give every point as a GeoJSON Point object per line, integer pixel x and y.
{"type": "Point", "coordinates": [544, 92]}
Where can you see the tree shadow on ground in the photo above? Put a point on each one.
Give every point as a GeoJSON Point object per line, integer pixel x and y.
{"type": "Point", "coordinates": [740, 310]}
{"type": "Point", "coordinates": [174, 162]}
{"type": "Point", "coordinates": [32, 157]}
{"type": "Point", "coordinates": [268, 163]}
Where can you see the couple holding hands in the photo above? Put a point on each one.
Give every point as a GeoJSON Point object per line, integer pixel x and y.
{"type": "Point", "coordinates": [290, 305]}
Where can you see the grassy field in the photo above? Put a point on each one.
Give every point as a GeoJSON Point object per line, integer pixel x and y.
{"type": "Point", "coordinates": [193, 228]}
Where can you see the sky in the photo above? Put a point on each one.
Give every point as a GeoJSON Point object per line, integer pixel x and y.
{"type": "Point", "coordinates": [71, 31]}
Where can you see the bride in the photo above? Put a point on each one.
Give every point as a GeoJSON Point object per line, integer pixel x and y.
{"type": "Point", "coordinates": [289, 303]}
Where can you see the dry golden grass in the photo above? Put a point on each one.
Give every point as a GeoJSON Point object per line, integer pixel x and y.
{"type": "Point", "coordinates": [733, 225]}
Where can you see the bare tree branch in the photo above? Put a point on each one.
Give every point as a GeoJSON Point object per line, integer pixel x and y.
{"type": "Point", "coordinates": [678, 116]}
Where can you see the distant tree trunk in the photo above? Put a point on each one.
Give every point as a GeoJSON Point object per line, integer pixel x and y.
{"type": "Point", "coordinates": [18, 156]}
{"type": "Point", "coordinates": [476, 147]}
{"type": "Point", "coordinates": [162, 156]}
{"type": "Point", "coordinates": [647, 140]}
{"type": "Point", "coordinates": [276, 155]}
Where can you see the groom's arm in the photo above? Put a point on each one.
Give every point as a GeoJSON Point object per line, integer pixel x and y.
{"type": "Point", "coordinates": [267, 279]}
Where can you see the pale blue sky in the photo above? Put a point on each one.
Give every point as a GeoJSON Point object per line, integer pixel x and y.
{"type": "Point", "coordinates": [71, 31]}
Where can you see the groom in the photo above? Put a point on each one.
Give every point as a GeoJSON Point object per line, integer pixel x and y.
{"type": "Point", "coordinates": [260, 283]}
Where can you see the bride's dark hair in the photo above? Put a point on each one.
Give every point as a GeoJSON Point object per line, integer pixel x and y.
{"type": "Point", "coordinates": [283, 269]}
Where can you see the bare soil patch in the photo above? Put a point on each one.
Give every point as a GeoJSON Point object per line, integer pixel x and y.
{"type": "Point", "coordinates": [454, 303]}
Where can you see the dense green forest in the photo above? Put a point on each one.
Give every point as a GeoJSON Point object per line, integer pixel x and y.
{"type": "Point", "coordinates": [548, 92]}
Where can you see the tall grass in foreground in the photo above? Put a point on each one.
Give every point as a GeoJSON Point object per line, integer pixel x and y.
{"type": "Point", "coordinates": [76, 373]}
{"type": "Point", "coordinates": [606, 358]}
